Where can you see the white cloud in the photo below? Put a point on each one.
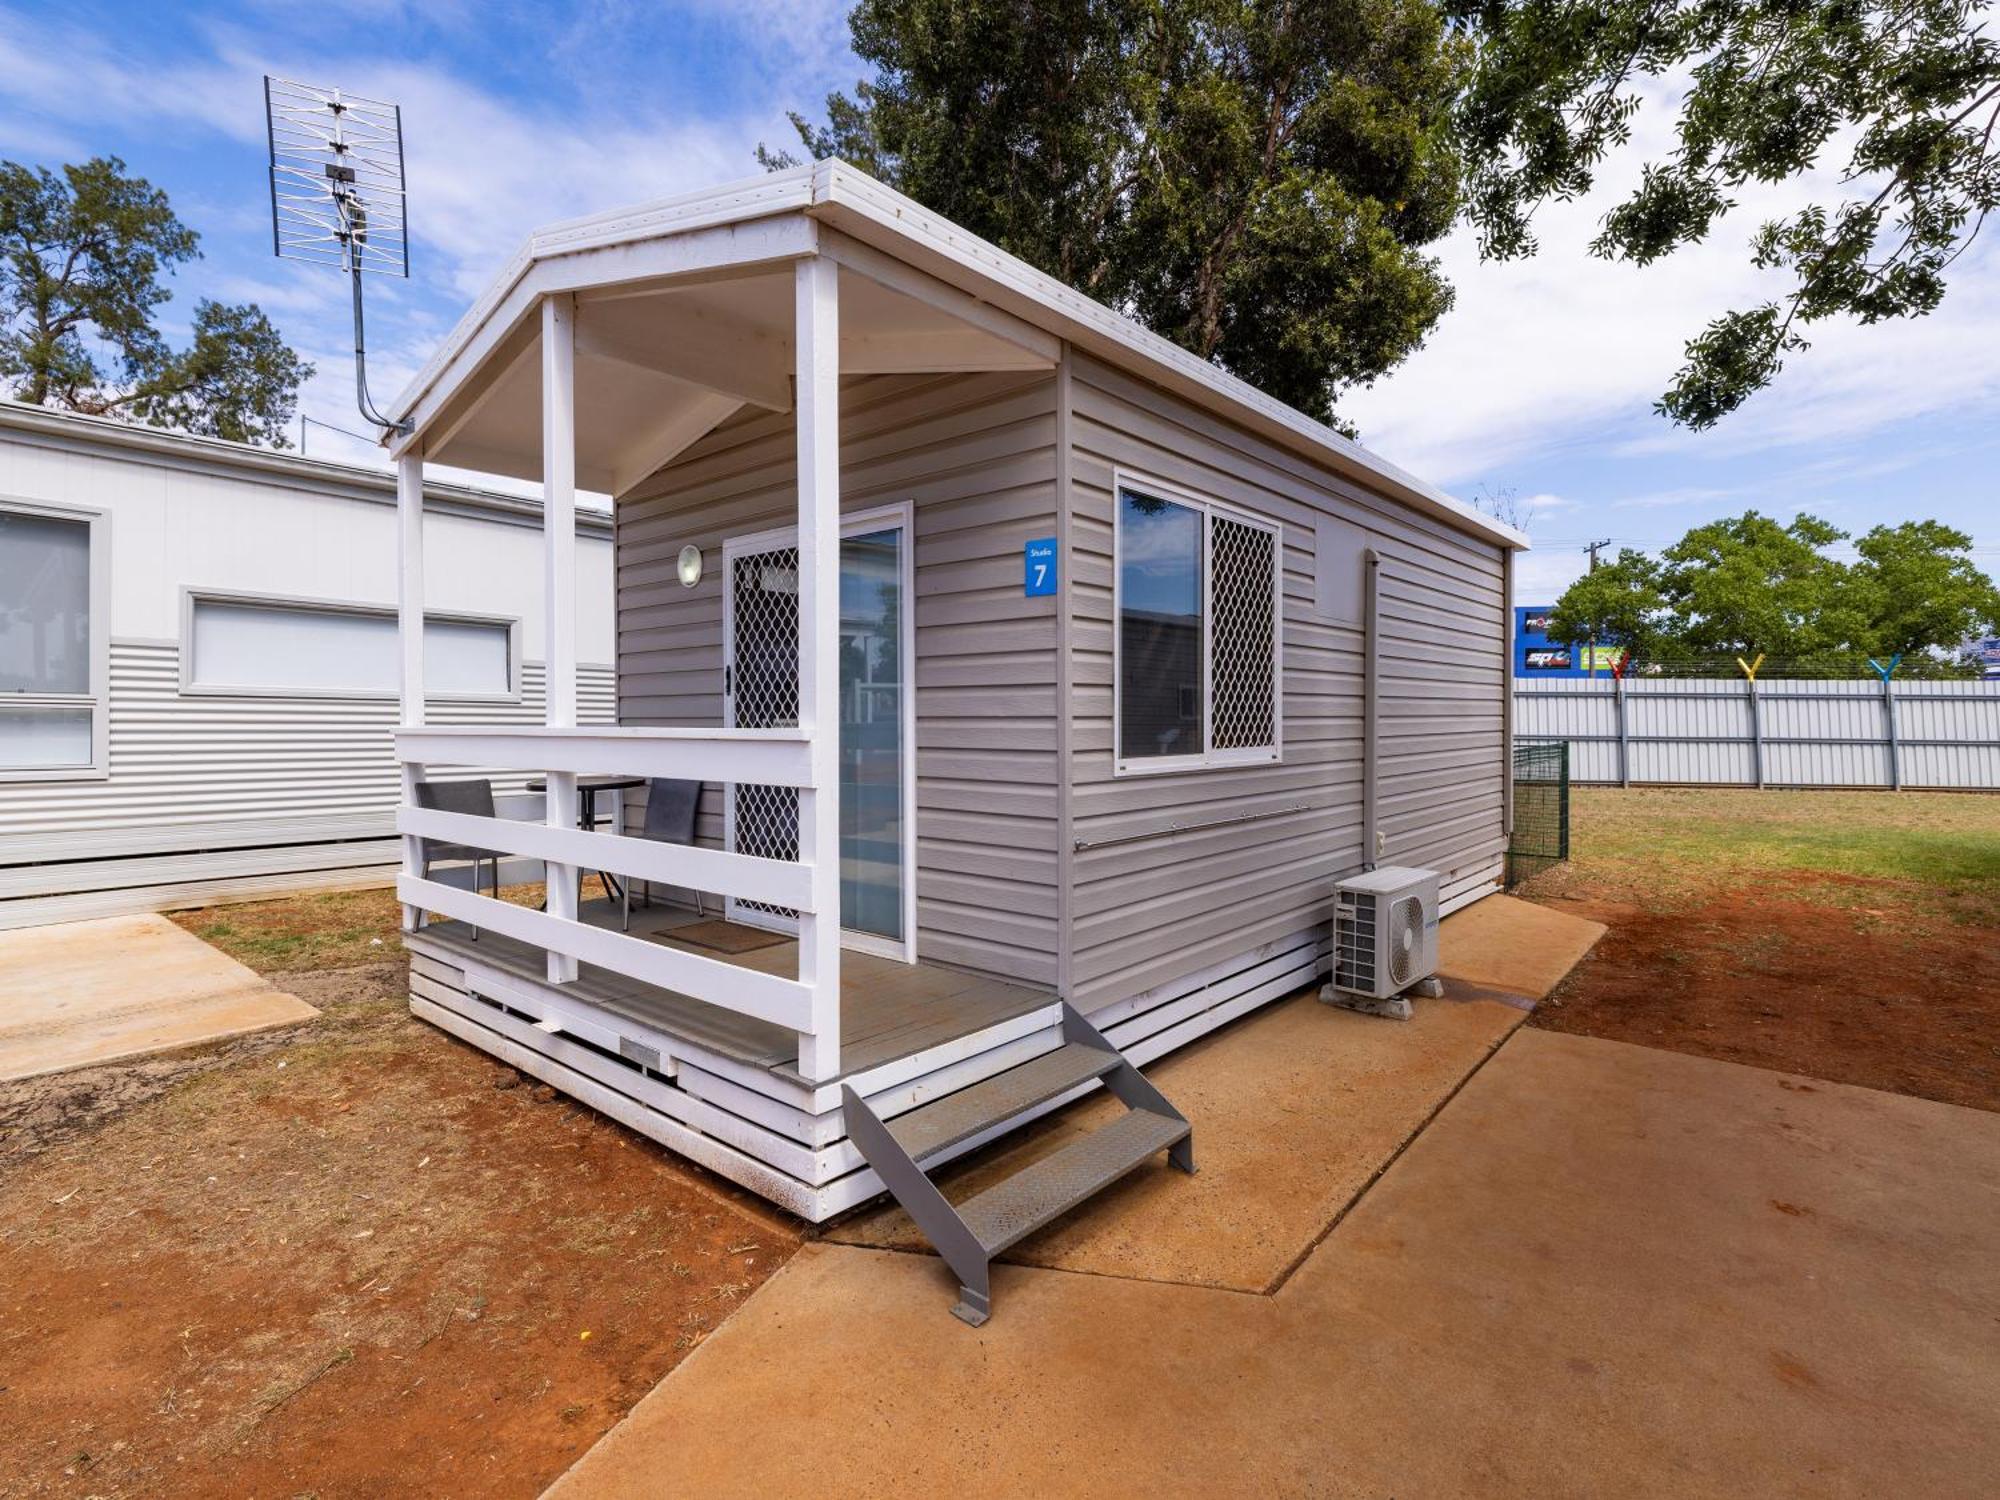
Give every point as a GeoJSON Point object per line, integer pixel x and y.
{"type": "Point", "coordinates": [1564, 350]}
{"type": "Point", "coordinates": [83, 77]}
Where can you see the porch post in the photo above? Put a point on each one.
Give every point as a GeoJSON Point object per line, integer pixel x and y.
{"type": "Point", "coordinates": [559, 588]}
{"type": "Point", "coordinates": [817, 404]}
{"type": "Point", "coordinates": [410, 643]}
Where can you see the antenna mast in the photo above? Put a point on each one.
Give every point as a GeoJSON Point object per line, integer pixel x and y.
{"type": "Point", "coordinates": [338, 195]}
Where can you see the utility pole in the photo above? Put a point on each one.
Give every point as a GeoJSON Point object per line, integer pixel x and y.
{"type": "Point", "coordinates": [1590, 662]}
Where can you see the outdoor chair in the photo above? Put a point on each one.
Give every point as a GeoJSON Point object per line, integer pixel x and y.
{"type": "Point", "coordinates": [475, 798]}
{"type": "Point", "coordinates": [670, 811]}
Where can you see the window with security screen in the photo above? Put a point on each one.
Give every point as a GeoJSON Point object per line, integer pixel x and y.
{"type": "Point", "coordinates": [1197, 647]}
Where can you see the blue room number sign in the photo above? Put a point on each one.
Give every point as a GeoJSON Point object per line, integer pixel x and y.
{"type": "Point", "coordinates": [1038, 567]}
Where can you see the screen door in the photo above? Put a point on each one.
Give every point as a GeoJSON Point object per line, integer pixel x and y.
{"type": "Point", "coordinates": [761, 689]}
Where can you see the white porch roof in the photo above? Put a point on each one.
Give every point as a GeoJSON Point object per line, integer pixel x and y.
{"type": "Point", "coordinates": [684, 316]}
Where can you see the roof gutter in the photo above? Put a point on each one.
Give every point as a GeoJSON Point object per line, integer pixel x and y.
{"type": "Point", "coordinates": [294, 470]}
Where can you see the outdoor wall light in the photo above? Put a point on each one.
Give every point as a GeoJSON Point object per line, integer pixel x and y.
{"type": "Point", "coordinates": [690, 566]}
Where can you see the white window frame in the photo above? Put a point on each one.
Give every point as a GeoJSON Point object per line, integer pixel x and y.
{"type": "Point", "coordinates": [902, 514]}
{"type": "Point", "coordinates": [192, 594]}
{"type": "Point", "coordinates": [98, 699]}
{"type": "Point", "coordinates": [1209, 508]}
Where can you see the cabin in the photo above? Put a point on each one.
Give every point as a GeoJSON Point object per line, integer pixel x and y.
{"type": "Point", "coordinates": [198, 662]}
{"type": "Point", "coordinates": [1027, 683]}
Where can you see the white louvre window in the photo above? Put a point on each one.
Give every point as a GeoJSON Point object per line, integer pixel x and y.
{"type": "Point", "coordinates": [51, 578]}
{"type": "Point", "coordinates": [1197, 649]}
{"type": "Point", "coordinates": [265, 647]}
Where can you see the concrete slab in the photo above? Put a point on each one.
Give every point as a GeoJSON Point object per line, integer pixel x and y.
{"type": "Point", "coordinates": [1296, 1108]}
{"type": "Point", "coordinates": [77, 993]}
{"type": "Point", "coordinates": [1603, 1269]}
{"type": "Point", "coordinates": [1513, 947]}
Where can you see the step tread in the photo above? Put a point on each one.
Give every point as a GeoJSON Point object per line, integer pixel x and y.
{"type": "Point", "coordinates": [1013, 1209]}
{"type": "Point", "coordinates": [938, 1126]}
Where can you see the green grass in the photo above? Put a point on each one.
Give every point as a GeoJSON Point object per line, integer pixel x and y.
{"type": "Point", "coordinates": [321, 929]}
{"type": "Point", "coordinates": [1937, 851]}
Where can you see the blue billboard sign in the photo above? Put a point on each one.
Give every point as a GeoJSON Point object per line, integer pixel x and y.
{"type": "Point", "coordinates": [1536, 655]}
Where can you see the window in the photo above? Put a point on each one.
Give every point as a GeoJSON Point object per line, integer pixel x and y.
{"type": "Point", "coordinates": [262, 646]}
{"type": "Point", "coordinates": [1197, 670]}
{"type": "Point", "coordinates": [53, 661]}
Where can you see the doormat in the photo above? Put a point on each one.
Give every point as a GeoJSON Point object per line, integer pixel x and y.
{"type": "Point", "coordinates": [723, 937]}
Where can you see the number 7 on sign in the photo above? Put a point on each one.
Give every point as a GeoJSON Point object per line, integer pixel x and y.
{"type": "Point", "coordinates": [1038, 567]}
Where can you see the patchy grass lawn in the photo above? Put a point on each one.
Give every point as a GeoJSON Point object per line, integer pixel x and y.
{"type": "Point", "coordinates": [352, 1258]}
{"type": "Point", "coordinates": [1854, 936]}
{"type": "Point", "coordinates": [323, 929]}
{"type": "Point", "coordinates": [1940, 852]}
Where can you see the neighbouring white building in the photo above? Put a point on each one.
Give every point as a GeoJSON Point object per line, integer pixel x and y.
{"type": "Point", "coordinates": [198, 660]}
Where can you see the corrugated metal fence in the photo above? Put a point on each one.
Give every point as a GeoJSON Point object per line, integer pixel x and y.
{"type": "Point", "coordinates": [1788, 732]}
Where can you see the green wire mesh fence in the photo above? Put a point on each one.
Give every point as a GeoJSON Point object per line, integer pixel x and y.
{"type": "Point", "coordinates": [1541, 810]}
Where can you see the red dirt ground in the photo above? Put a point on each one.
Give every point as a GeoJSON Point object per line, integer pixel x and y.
{"type": "Point", "coordinates": [1860, 989]}
{"type": "Point", "coordinates": [352, 1259]}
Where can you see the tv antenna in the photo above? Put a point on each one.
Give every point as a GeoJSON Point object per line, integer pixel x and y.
{"type": "Point", "coordinates": [337, 194]}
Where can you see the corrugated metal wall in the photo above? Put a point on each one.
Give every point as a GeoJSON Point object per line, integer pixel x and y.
{"type": "Point", "coordinates": [211, 787]}
{"type": "Point", "coordinates": [1817, 733]}
{"type": "Point", "coordinates": [1152, 906]}
{"type": "Point", "coordinates": [976, 455]}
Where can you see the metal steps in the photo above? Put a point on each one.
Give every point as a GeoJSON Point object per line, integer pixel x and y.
{"type": "Point", "coordinates": [970, 1235]}
{"type": "Point", "coordinates": [958, 1117]}
{"type": "Point", "coordinates": [1036, 1195]}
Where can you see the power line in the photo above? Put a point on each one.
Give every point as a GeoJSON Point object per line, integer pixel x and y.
{"type": "Point", "coordinates": [360, 437]}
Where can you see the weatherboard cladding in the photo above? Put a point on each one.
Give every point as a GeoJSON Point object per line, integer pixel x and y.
{"type": "Point", "coordinates": [975, 454]}
{"type": "Point", "coordinates": [1147, 911]}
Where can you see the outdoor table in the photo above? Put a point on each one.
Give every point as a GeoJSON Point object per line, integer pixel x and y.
{"type": "Point", "coordinates": [587, 788]}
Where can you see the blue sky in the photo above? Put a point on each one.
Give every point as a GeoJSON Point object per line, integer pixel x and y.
{"type": "Point", "coordinates": [1540, 381]}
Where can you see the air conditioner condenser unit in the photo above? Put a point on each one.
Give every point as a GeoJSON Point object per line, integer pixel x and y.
{"type": "Point", "coordinates": [1385, 939]}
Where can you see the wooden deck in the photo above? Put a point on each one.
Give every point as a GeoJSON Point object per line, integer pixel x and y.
{"type": "Point", "coordinates": [888, 1009]}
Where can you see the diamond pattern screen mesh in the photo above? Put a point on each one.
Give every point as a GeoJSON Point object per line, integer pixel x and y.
{"type": "Point", "coordinates": [1243, 649]}
{"type": "Point", "coordinates": [764, 590]}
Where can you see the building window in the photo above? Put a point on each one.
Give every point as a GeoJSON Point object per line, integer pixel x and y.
{"type": "Point", "coordinates": [1197, 669]}
{"type": "Point", "coordinates": [297, 649]}
{"type": "Point", "coordinates": [53, 661]}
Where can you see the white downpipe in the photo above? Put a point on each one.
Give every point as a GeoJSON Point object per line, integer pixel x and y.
{"type": "Point", "coordinates": [817, 404]}
{"type": "Point", "coordinates": [410, 641]}
{"type": "Point", "coordinates": [559, 588]}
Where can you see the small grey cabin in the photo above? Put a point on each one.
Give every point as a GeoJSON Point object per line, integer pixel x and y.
{"type": "Point", "coordinates": [1029, 681]}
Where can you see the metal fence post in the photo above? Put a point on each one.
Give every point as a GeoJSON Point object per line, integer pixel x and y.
{"type": "Point", "coordinates": [1756, 716]}
{"type": "Point", "coordinates": [1889, 717]}
{"type": "Point", "coordinates": [1624, 735]}
{"type": "Point", "coordinates": [1756, 731]}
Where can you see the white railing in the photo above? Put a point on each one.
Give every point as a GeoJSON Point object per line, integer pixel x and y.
{"type": "Point", "coordinates": [775, 757]}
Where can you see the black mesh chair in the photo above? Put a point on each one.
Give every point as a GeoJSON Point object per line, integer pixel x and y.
{"type": "Point", "coordinates": [671, 806]}
{"type": "Point", "coordinates": [474, 798]}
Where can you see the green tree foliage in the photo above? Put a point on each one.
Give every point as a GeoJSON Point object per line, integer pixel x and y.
{"type": "Point", "coordinates": [1901, 101]}
{"type": "Point", "coordinates": [1620, 601]}
{"type": "Point", "coordinates": [1748, 585]}
{"type": "Point", "coordinates": [81, 257]}
{"type": "Point", "coordinates": [1920, 589]}
{"type": "Point", "coordinates": [1254, 179]}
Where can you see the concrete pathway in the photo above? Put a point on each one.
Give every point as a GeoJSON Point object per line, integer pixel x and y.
{"type": "Point", "coordinates": [1602, 1269]}
{"type": "Point", "coordinates": [1296, 1108]}
{"type": "Point", "coordinates": [77, 993]}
